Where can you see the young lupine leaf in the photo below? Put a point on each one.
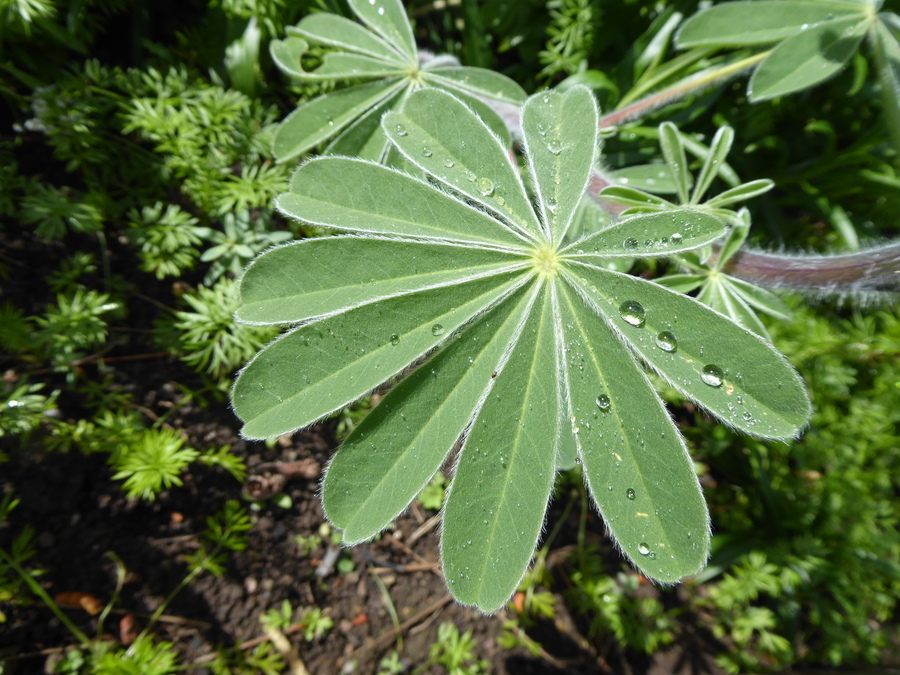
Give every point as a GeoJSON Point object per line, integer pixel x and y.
{"type": "Point", "coordinates": [741, 193]}
{"type": "Point", "coordinates": [673, 151]}
{"type": "Point", "coordinates": [733, 297]}
{"type": "Point", "coordinates": [718, 150]}
{"type": "Point", "coordinates": [520, 344]}
{"type": "Point", "coordinates": [384, 48]}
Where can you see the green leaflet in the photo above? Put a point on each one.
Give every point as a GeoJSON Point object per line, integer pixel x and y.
{"type": "Point", "coordinates": [321, 367]}
{"type": "Point", "coordinates": [635, 461]}
{"type": "Point", "coordinates": [560, 166]}
{"type": "Point", "coordinates": [649, 234]}
{"type": "Point", "coordinates": [757, 23]}
{"type": "Point", "coordinates": [437, 133]}
{"type": "Point", "coordinates": [340, 33]}
{"type": "Point", "coordinates": [395, 451]}
{"type": "Point", "coordinates": [807, 58]}
{"type": "Point", "coordinates": [358, 196]}
{"type": "Point", "coordinates": [496, 505]}
{"type": "Point", "coordinates": [321, 118]}
{"type": "Point", "coordinates": [525, 345]}
{"type": "Point", "coordinates": [734, 374]}
{"type": "Point", "coordinates": [388, 19]}
{"type": "Point", "coordinates": [305, 280]}
{"type": "Point", "coordinates": [476, 82]}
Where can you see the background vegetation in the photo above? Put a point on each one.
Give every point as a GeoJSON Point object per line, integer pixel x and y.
{"type": "Point", "coordinates": [136, 181]}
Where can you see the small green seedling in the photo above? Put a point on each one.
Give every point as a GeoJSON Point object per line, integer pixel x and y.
{"type": "Point", "coordinates": [518, 343]}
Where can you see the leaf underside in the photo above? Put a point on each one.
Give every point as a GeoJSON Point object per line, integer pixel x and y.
{"type": "Point", "coordinates": [516, 342]}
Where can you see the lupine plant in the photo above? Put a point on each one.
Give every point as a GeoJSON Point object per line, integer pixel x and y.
{"type": "Point", "coordinates": [518, 340]}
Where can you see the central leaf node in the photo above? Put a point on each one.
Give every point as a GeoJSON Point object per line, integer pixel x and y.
{"type": "Point", "coordinates": [545, 260]}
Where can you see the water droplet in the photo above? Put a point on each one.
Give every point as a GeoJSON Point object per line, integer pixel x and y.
{"type": "Point", "coordinates": [747, 416]}
{"type": "Point", "coordinates": [603, 402]}
{"type": "Point", "coordinates": [381, 11]}
{"type": "Point", "coordinates": [500, 200]}
{"type": "Point", "coordinates": [643, 549]}
{"type": "Point", "coordinates": [555, 146]}
{"type": "Point", "coordinates": [437, 329]}
{"type": "Point", "coordinates": [485, 186]}
{"type": "Point", "coordinates": [632, 312]}
{"type": "Point", "coordinates": [470, 176]}
{"type": "Point", "coordinates": [395, 339]}
{"type": "Point", "coordinates": [609, 487]}
{"type": "Point", "coordinates": [448, 163]}
{"type": "Point", "coordinates": [666, 341]}
{"type": "Point", "coordinates": [629, 493]}
{"type": "Point", "coordinates": [552, 205]}
{"type": "Point", "coordinates": [426, 151]}
{"type": "Point", "coordinates": [676, 238]}
{"type": "Point", "coordinates": [712, 375]}
{"type": "Point", "coordinates": [400, 130]}
{"type": "Point", "coordinates": [652, 556]}
{"type": "Point", "coordinates": [630, 244]}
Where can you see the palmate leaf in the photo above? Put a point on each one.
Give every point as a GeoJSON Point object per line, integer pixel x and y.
{"type": "Point", "coordinates": [518, 340]}
{"type": "Point", "coordinates": [382, 55]}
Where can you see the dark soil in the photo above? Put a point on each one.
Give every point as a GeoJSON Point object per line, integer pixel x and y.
{"type": "Point", "coordinates": [80, 514]}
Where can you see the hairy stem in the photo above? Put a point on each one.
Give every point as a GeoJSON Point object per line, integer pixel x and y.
{"type": "Point", "coordinates": [702, 80]}
{"type": "Point", "coordinates": [877, 269]}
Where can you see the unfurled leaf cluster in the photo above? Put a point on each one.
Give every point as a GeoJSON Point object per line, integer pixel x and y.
{"type": "Point", "coordinates": [524, 343]}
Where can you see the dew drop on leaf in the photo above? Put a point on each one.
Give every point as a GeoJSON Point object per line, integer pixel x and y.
{"type": "Point", "coordinates": [666, 341]}
{"type": "Point", "coordinates": [676, 238]}
{"type": "Point", "coordinates": [630, 244]}
{"type": "Point", "coordinates": [437, 329]}
{"type": "Point", "coordinates": [395, 339]}
{"type": "Point", "coordinates": [426, 151]}
{"type": "Point", "coordinates": [448, 163]}
{"type": "Point", "coordinates": [643, 549]}
{"type": "Point", "coordinates": [629, 493]}
{"type": "Point", "coordinates": [400, 130]}
{"type": "Point", "coordinates": [712, 375]}
{"type": "Point", "coordinates": [551, 205]}
{"type": "Point", "coordinates": [603, 402]}
{"type": "Point", "coordinates": [555, 146]}
{"type": "Point", "coordinates": [632, 312]}
{"type": "Point", "coordinates": [470, 176]}
{"type": "Point", "coordinates": [485, 186]}
{"type": "Point", "coordinates": [747, 416]}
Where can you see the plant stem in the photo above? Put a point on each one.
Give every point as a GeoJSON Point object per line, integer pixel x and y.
{"type": "Point", "coordinates": [701, 80]}
{"type": "Point", "coordinates": [35, 588]}
{"type": "Point", "coordinates": [874, 270]}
